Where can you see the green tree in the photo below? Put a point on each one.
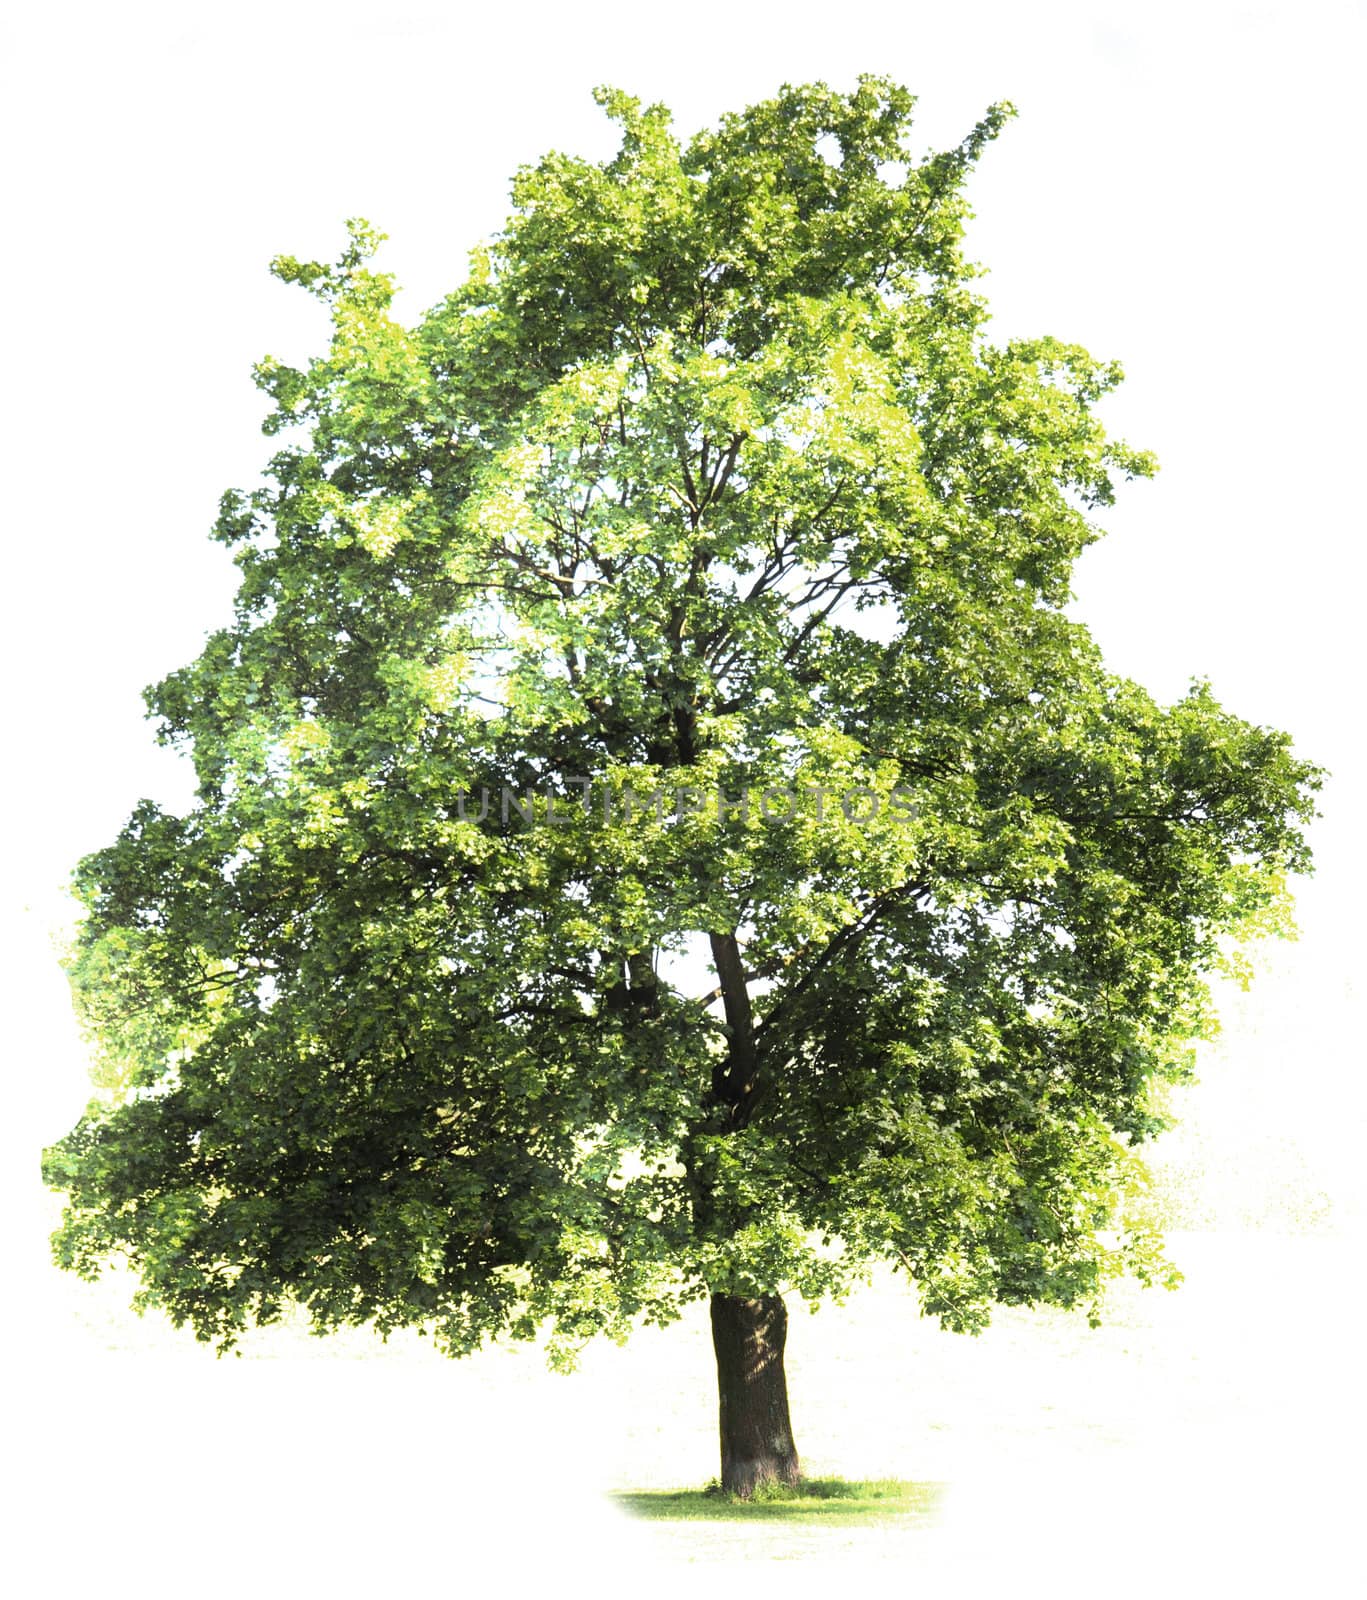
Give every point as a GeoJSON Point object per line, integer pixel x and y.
{"type": "Point", "coordinates": [706, 483]}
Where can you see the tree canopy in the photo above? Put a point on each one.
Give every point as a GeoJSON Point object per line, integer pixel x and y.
{"type": "Point", "coordinates": [707, 478]}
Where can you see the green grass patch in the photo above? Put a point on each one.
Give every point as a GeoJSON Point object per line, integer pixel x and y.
{"type": "Point", "coordinates": [834, 1501]}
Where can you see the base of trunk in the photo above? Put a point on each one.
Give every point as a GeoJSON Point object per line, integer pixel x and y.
{"type": "Point", "coordinates": [756, 1433]}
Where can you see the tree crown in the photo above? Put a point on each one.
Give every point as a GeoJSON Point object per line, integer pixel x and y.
{"type": "Point", "coordinates": [707, 478]}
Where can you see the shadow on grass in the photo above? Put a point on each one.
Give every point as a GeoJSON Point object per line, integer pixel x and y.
{"type": "Point", "coordinates": [814, 1500]}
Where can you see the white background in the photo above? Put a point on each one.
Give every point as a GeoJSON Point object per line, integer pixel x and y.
{"type": "Point", "coordinates": [1181, 190]}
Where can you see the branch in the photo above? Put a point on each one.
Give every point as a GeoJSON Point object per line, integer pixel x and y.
{"type": "Point", "coordinates": [847, 937]}
{"type": "Point", "coordinates": [735, 1085]}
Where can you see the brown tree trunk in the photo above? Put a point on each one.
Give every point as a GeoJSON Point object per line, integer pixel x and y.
{"type": "Point", "coordinates": [756, 1435]}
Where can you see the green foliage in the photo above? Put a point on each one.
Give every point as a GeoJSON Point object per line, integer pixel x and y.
{"type": "Point", "coordinates": [613, 509]}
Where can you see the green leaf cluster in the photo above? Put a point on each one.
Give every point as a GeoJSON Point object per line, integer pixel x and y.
{"type": "Point", "coordinates": [708, 473]}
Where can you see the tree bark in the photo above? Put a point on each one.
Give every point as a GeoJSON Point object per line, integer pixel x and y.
{"type": "Point", "coordinates": [756, 1434]}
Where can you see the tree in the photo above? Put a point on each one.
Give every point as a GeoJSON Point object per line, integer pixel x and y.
{"type": "Point", "coordinates": [693, 578]}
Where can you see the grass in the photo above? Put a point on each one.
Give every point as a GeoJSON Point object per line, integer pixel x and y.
{"type": "Point", "coordinates": [834, 1502]}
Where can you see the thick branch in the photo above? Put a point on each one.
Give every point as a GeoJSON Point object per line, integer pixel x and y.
{"type": "Point", "coordinates": [736, 1085]}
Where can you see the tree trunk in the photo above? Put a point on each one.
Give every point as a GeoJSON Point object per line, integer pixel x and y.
{"type": "Point", "coordinates": [756, 1435]}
